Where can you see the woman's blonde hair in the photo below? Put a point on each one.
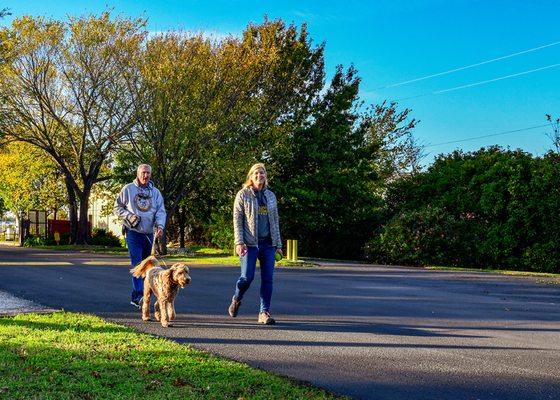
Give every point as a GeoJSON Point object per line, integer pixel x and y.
{"type": "Point", "coordinates": [249, 180]}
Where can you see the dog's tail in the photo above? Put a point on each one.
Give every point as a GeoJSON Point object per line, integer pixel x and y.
{"type": "Point", "coordinates": [147, 264]}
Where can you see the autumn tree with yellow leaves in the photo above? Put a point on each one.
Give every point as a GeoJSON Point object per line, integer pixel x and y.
{"type": "Point", "coordinates": [30, 180]}
{"type": "Point", "coordinates": [209, 108]}
{"type": "Point", "coordinates": [68, 88]}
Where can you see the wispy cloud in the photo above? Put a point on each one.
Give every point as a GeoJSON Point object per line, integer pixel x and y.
{"type": "Point", "coordinates": [314, 17]}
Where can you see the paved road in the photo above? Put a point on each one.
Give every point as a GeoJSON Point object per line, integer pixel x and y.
{"type": "Point", "coordinates": [369, 332]}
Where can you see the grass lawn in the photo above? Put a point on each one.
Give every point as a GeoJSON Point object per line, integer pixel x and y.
{"type": "Point", "coordinates": [208, 255]}
{"type": "Point", "coordinates": [198, 255]}
{"type": "Point", "coordinates": [215, 256]}
{"type": "Point", "coordinates": [541, 277]}
{"type": "Point", "coordinates": [76, 356]}
{"type": "Point", "coordinates": [495, 271]}
{"type": "Point", "coordinates": [86, 248]}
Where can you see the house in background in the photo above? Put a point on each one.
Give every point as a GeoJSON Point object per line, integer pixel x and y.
{"type": "Point", "coordinates": [101, 216]}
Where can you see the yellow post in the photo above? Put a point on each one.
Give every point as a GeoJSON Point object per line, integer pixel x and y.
{"type": "Point", "coordinates": [57, 237]}
{"type": "Point", "coordinates": [294, 250]}
{"type": "Point", "coordinates": [289, 249]}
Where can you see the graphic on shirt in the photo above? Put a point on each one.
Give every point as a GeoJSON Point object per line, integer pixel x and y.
{"type": "Point", "coordinates": [143, 201]}
{"type": "Point", "coordinates": [263, 210]}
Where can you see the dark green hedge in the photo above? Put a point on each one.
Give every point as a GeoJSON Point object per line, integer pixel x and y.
{"type": "Point", "coordinates": [492, 208]}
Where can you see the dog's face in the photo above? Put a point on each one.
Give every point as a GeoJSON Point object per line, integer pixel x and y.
{"type": "Point", "coordinates": [180, 273]}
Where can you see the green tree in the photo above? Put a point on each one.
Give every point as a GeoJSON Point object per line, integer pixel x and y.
{"type": "Point", "coordinates": [210, 108]}
{"type": "Point", "coordinates": [489, 208]}
{"type": "Point", "coordinates": [29, 180]}
{"type": "Point", "coordinates": [555, 133]}
{"type": "Point", "coordinates": [68, 88]}
{"type": "Point", "coordinates": [542, 202]}
{"type": "Point", "coordinates": [333, 170]}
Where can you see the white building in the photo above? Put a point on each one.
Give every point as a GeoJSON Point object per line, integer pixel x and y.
{"type": "Point", "coordinates": [101, 215]}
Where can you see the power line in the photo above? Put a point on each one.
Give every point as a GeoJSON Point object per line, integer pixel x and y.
{"type": "Point", "coordinates": [468, 66]}
{"type": "Point", "coordinates": [497, 79]}
{"type": "Point", "coordinates": [480, 82]}
{"type": "Point", "coordinates": [486, 136]}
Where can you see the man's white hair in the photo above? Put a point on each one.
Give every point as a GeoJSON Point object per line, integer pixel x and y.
{"type": "Point", "coordinates": [142, 166]}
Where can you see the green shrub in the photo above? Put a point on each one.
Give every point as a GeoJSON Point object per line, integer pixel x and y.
{"type": "Point", "coordinates": [220, 231]}
{"type": "Point", "coordinates": [425, 236]}
{"type": "Point", "coordinates": [491, 208]}
{"type": "Point", "coordinates": [542, 257]}
{"type": "Point", "coordinates": [32, 241]}
{"type": "Point", "coordinates": [102, 237]}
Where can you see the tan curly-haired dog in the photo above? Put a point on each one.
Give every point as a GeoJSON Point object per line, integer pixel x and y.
{"type": "Point", "coordinates": [164, 284]}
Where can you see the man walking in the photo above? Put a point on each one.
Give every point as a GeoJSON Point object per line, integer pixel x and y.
{"type": "Point", "coordinates": [141, 210]}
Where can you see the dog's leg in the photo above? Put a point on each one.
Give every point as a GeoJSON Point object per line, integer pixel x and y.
{"type": "Point", "coordinates": [157, 314]}
{"type": "Point", "coordinates": [146, 302]}
{"type": "Point", "coordinates": [171, 310]}
{"type": "Point", "coordinates": [164, 316]}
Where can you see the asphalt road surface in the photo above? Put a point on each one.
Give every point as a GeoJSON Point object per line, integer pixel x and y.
{"type": "Point", "coordinates": [369, 332]}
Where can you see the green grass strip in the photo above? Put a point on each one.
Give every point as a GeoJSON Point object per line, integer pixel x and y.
{"type": "Point", "coordinates": [226, 260]}
{"type": "Point", "coordinates": [85, 248]}
{"type": "Point", "coordinates": [494, 271]}
{"type": "Point", "coordinates": [77, 356]}
{"type": "Point", "coordinates": [198, 255]}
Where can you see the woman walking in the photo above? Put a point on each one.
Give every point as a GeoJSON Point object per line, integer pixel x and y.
{"type": "Point", "coordinates": [257, 236]}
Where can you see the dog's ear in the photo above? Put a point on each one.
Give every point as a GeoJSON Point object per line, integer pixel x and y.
{"type": "Point", "coordinates": [166, 277]}
{"type": "Point", "coordinates": [180, 274]}
{"type": "Point", "coordinates": [167, 274]}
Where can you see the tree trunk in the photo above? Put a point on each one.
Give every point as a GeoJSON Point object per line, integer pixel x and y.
{"type": "Point", "coordinates": [72, 209]}
{"type": "Point", "coordinates": [83, 234]}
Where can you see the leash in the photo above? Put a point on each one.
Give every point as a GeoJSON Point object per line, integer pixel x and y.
{"type": "Point", "coordinates": [153, 243]}
{"type": "Point", "coordinates": [153, 252]}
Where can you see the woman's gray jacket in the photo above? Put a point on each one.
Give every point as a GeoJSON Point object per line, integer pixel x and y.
{"type": "Point", "coordinates": [245, 218]}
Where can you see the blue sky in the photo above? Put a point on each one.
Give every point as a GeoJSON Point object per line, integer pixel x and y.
{"type": "Point", "coordinates": [395, 41]}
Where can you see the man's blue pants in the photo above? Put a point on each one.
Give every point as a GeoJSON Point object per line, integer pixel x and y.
{"type": "Point", "coordinates": [139, 247]}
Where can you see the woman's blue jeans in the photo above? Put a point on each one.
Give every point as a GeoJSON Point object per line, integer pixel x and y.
{"type": "Point", "coordinates": [139, 247]}
{"type": "Point", "coordinates": [265, 254]}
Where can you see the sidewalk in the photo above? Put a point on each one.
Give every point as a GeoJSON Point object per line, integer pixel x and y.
{"type": "Point", "coordinates": [12, 305]}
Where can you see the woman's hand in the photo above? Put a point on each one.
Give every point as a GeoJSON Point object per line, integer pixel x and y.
{"type": "Point", "coordinates": [241, 250]}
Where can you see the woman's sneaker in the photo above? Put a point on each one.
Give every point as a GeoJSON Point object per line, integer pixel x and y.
{"type": "Point", "coordinates": [265, 318]}
{"type": "Point", "coordinates": [234, 307]}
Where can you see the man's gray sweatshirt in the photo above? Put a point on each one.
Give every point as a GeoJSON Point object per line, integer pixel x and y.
{"type": "Point", "coordinates": [145, 202]}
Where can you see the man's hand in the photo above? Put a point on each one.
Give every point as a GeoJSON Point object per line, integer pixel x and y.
{"type": "Point", "coordinates": [159, 232]}
{"type": "Point", "coordinates": [241, 250]}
